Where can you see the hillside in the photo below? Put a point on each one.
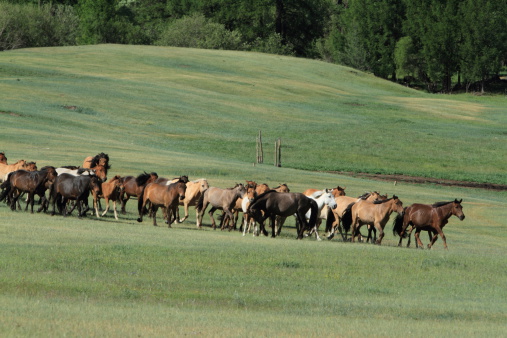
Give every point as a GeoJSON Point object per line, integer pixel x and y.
{"type": "Point", "coordinates": [211, 104]}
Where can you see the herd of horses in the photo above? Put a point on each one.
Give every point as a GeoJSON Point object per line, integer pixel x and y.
{"type": "Point", "coordinates": [67, 188]}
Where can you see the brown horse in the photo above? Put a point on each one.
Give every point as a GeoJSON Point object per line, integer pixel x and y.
{"type": "Point", "coordinates": [224, 199]}
{"type": "Point", "coordinates": [99, 159]}
{"type": "Point", "coordinates": [3, 159]}
{"type": "Point", "coordinates": [334, 218]}
{"type": "Point", "coordinates": [111, 192]}
{"type": "Point", "coordinates": [5, 169]}
{"type": "Point", "coordinates": [375, 214]}
{"type": "Point", "coordinates": [194, 191]}
{"type": "Point", "coordinates": [161, 195]}
{"type": "Point", "coordinates": [431, 218]}
{"type": "Point", "coordinates": [273, 204]}
{"type": "Point", "coordinates": [133, 187]}
{"type": "Point", "coordinates": [31, 182]}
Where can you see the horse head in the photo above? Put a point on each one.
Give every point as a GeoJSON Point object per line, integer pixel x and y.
{"type": "Point", "coordinates": [101, 172]}
{"type": "Point", "coordinates": [457, 209]}
{"type": "Point", "coordinates": [329, 199]}
{"type": "Point", "coordinates": [396, 204]}
{"type": "Point", "coordinates": [182, 188]}
{"type": "Point", "coordinates": [338, 191]}
{"type": "Point", "coordinates": [31, 166]}
{"type": "Point", "coordinates": [240, 190]}
{"type": "Point", "coordinates": [250, 192]}
{"type": "Point", "coordinates": [203, 185]}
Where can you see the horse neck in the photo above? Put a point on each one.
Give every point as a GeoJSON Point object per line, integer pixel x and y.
{"type": "Point", "coordinates": [445, 211]}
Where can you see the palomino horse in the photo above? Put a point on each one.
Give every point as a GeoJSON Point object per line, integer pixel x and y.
{"type": "Point", "coordinates": [324, 198]}
{"type": "Point", "coordinates": [3, 159]}
{"type": "Point", "coordinates": [431, 218]}
{"type": "Point", "coordinates": [338, 191]}
{"type": "Point", "coordinates": [76, 188]}
{"type": "Point", "coordinates": [224, 199]}
{"type": "Point", "coordinates": [133, 186]}
{"type": "Point", "coordinates": [194, 191]}
{"type": "Point", "coordinates": [5, 169]}
{"type": "Point", "coordinates": [272, 204]}
{"type": "Point", "coordinates": [375, 214]}
{"type": "Point", "coordinates": [111, 192]}
{"type": "Point", "coordinates": [99, 159]}
{"type": "Point", "coordinates": [334, 218]}
{"type": "Point", "coordinates": [161, 195]}
{"type": "Point", "coordinates": [31, 182]}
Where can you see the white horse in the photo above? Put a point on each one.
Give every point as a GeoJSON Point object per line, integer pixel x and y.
{"type": "Point", "coordinates": [323, 198]}
{"type": "Point", "coordinates": [76, 172]}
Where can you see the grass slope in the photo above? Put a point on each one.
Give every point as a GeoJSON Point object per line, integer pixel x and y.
{"type": "Point", "coordinates": [198, 112]}
{"type": "Point", "coordinates": [213, 103]}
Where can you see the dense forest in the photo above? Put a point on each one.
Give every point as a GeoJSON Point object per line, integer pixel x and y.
{"type": "Point", "coordinates": [443, 45]}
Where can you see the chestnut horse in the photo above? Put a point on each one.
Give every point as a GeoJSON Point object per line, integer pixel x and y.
{"type": "Point", "coordinates": [273, 204]}
{"type": "Point", "coordinates": [161, 195]}
{"type": "Point", "coordinates": [431, 218]}
{"type": "Point", "coordinates": [31, 182]}
{"type": "Point", "coordinates": [133, 186]}
{"type": "Point", "coordinates": [224, 199]}
{"type": "Point", "coordinates": [375, 214]}
{"type": "Point", "coordinates": [111, 192]}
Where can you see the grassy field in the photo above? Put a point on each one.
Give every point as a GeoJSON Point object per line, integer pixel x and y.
{"type": "Point", "coordinates": [196, 112]}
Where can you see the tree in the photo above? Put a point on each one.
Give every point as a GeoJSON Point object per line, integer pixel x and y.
{"type": "Point", "coordinates": [483, 25]}
{"type": "Point", "coordinates": [96, 21]}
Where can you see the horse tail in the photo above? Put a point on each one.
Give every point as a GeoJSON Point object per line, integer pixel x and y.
{"type": "Point", "coordinates": [398, 223]}
{"type": "Point", "coordinates": [6, 187]}
{"type": "Point", "coordinates": [200, 202]}
{"type": "Point", "coordinates": [314, 214]}
{"type": "Point", "coordinates": [140, 202]}
{"type": "Point", "coordinates": [347, 217]}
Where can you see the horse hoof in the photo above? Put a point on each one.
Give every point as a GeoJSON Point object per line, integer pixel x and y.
{"type": "Point", "coordinates": [139, 220]}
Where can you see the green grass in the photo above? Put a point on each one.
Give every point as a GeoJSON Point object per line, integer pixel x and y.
{"type": "Point", "coordinates": [197, 112]}
{"type": "Point", "coordinates": [213, 103]}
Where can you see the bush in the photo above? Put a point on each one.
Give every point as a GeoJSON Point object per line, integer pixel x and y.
{"type": "Point", "coordinates": [272, 45]}
{"type": "Point", "coordinates": [26, 25]}
{"type": "Point", "coordinates": [198, 32]}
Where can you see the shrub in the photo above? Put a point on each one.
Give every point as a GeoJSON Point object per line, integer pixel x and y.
{"type": "Point", "coordinates": [196, 31]}
{"type": "Point", "coordinates": [27, 25]}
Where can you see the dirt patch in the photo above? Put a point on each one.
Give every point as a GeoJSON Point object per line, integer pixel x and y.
{"type": "Point", "coordinates": [424, 180]}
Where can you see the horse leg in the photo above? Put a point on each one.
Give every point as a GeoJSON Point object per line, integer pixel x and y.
{"type": "Point", "coordinates": [154, 210]}
{"type": "Point", "coordinates": [210, 213]}
{"type": "Point", "coordinates": [123, 201]}
{"type": "Point", "coordinates": [106, 200]}
{"type": "Point", "coordinates": [378, 226]}
{"type": "Point", "coordinates": [441, 233]}
{"type": "Point", "coordinates": [418, 243]}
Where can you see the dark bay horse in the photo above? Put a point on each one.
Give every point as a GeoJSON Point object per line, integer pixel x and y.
{"type": "Point", "coordinates": [76, 188]}
{"type": "Point", "coordinates": [30, 182]}
{"type": "Point", "coordinates": [224, 199]}
{"type": "Point", "coordinates": [374, 214]}
{"type": "Point", "coordinates": [272, 204]}
{"type": "Point", "coordinates": [161, 195]}
{"type": "Point", "coordinates": [133, 186]}
{"type": "Point", "coordinates": [431, 218]}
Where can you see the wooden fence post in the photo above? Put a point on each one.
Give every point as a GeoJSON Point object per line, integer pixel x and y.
{"type": "Point", "coordinates": [259, 150]}
{"type": "Point", "coordinates": [278, 152]}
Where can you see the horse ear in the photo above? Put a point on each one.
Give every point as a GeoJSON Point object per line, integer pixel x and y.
{"type": "Point", "coordinates": [461, 200]}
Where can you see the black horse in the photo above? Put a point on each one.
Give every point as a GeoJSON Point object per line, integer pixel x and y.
{"type": "Point", "coordinates": [272, 204]}
{"type": "Point", "coordinates": [75, 188]}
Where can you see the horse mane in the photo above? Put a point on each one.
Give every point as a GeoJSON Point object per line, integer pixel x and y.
{"type": "Point", "coordinates": [383, 201]}
{"type": "Point", "coordinates": [440, 204]}
{"type": "Point", "coordinates": [262, 195]}
{"type": "Point", "coordinates": [46, 168]}
{"type": "Point", "coordinates": [72, 167]}
{"type": "Point", "coordinates": [365, 195]}
{"type": "Point", "coordinates": [142, 178]}
{"type": "Point", "coordinates": [199, 180]}
{"type": "Point", "coordinates": [95, 160]}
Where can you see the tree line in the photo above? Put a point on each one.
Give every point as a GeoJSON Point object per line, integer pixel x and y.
{"type": "Point", "coordinates": [442, 44]}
